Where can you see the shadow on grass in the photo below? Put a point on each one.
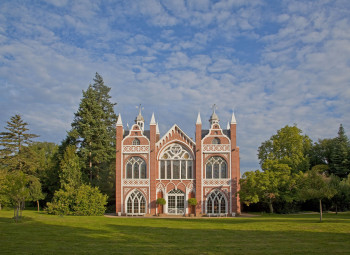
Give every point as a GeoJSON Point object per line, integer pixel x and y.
{"type": "Point", "coordinates": [84, 235]}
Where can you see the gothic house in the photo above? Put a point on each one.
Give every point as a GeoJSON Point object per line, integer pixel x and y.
{"type": "Point", "coordinates": [177, 168]}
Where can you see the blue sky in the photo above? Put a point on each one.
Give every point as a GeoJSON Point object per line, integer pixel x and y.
{"type": "Point", "coordinates": [275, 63]}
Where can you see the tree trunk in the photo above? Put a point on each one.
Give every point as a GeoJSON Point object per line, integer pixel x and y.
{"type": "Point", "coordinates": [320, 210]}
{"type": "Point", "coordinates": [336, 209]}
{"type": "Point", "coordinates": [37, 202]}
{"type": "Point", "coordinates": [270, 206]}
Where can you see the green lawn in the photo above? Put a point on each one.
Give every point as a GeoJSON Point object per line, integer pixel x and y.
{"type": "Point", "coordinates": [39, 233]}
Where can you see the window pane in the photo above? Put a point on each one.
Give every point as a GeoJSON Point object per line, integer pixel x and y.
{"type": "Point", "coordinates": [216, 205]}
{"type": "Point", "coordinates": [223, 170]}
{"type": "Point", "coordinates": [208, 173]}
{"type": "Point", "coordinates": [162, 169]}
{"type": "Point", "coordinates": [143, 170]}
{"type": "Point", "coordinates": [222, 205]}
{"type": "Point", "coordinates": [176, 169]}
{"type": "Point", "coordinates": [136, 205]}
{"type": "Point", "coordinates": [142, 205]}
{"type": "Point", "coordinates": [129, 206]}
{"type": "Point", "coordinates": [168, 169]}
{"type": "Point", "coordinates": [129, 171]}
{"type": "Point", "coordinates": [183, 169]}
{"type": "Point", "coordinates": [189, 170]}
{"type": "Point", "coordinates": [136, 171]}
{"type": "Point", "coordinates": [216, 171]}
{"type": "Point", "coordinates": [210, 205]}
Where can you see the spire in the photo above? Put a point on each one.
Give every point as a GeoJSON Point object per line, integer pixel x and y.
{"type": "Point", "coordinates": [157, 129]}
{"type": "Point", "coordinates": [199, 121]}
{"type": "Point", "coordinates": [214, 117]}
{"type": "Point", "coordinates": [228, 125]}
{"type": "Point", "coordinates": [119, 121]}
{"type": "Point", "coordinates": [233, 119]}
{"type": "Point", "coordinates": [139, 119]}
{"type": "Point", "coordinates": [153, 120]}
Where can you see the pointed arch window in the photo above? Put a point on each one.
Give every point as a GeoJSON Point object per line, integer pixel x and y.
{"type": "Point", "coordinates": [215, 141]}
{"type": "Point", "coordinates": [136, 203]}
{"type": "Point", "coordinates": [136, 168]}
{"type": "Point", "coordinates": [176, 163]}
{"type": "Point", "coordinates": [216, 168]}
{"type": "Point", "coordinates": [136, 142]}
{"type": "Point", "coordinates": [216, 203]}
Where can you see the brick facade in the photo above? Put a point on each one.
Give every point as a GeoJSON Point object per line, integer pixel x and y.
{"type": "Point", "coordinates": [177, 168]}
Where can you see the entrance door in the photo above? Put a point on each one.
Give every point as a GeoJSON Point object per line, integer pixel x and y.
{"type": "Point", "coordinates": [176, 202]}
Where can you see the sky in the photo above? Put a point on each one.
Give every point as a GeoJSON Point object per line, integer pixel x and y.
{"type": "Point", "coordinates": [273, 63]}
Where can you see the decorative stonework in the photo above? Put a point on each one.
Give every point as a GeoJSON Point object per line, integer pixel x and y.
{"type": "Point", "coordinates": [126, 190]}
{"type": "Point", "coordinates": [207, 190]}
{"type": "Point", "coordinates": [209, 148]}
{"type": "Point", "coordinates": [145, 191]}
{"type": "Point", "coordinates": [160, 187]}
{"type": "Point", "coordinates": [135, 182]}
{"type": "Point", "coordinates": [136, 148]}
{"type": "Point", "coordinates": [216, 182]}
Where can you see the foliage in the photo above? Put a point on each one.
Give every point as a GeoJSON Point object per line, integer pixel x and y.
{"type": "Point", "coordinates": [275, 184]}
{"type": "Point", "coordinates": [287, 147]}
{"type": "Point", "coordinates": [19, 187]}
{"type": "Point", "coordinates": [340, 156]}
{"type": "Point", "coordinates": [70, 173]}
{"type": "Point", "coordinates": [12, 142]}
{"type": "Point", "coordinates": [341, 200]}
{"type": "Point", "coordinates": [192, 201]}
{"type": "Point", "coordinates": [315, 186]}
{"type": "Point", "coordinates": [85, 200]}
{"type": "Point", "coordinates": [161, 201]}
{"type": "Point", "coordinates": [93, 133]}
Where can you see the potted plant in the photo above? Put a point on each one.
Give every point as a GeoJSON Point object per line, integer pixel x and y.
{"type": "Point", "coordinates": [192, 202]}
{"type": "Point", "coordinates": [161, 201]}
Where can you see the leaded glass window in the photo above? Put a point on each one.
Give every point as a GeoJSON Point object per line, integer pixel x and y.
{"type": "Point", "coordinates": [136, 168]}
{"type": "Point", "coordinates": [176, 163]}
{"type": "Point", "coordinates": [216, 168]}
{"type": "Point", "coordinates": [136, 142]}
{"type": "Point", "coordinates": [216, 203]}
{"type": "Point", "coordinates": [136, 203]}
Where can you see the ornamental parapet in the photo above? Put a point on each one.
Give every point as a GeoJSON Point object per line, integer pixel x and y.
{"type": "Point", "coordinates": [136, 148]}
{"type": "Point", "coordinates": [216, 182]}
{"type": "Point", "coordinates": [136, 182]}
{"type": "Point", "coordinates": [209, 148]}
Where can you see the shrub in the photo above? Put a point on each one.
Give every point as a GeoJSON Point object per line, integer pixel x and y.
{"type": "Point", "coordinates": [192, 201]}
{"type": "Point", "coordinates": [85, 200]}
{"type": "Point", "coordinates": [161, 201]}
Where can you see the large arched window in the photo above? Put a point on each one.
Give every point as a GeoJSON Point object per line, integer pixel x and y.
{"type": "Point", "coordinates": [216, 203]}
{"type": "Point", "coordinates": [136, 168]}
{"type": "Point", "coordinates": [136, 203]}
{"type": "Point", "coordinates": [176, 163]}
{"type": "Point", "coordinates": [216, 141]}
{"type": "Point", "coordinates": [216, 168]}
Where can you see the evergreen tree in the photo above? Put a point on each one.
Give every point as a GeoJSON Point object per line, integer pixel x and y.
{"type": "Point", "coordinates": [12, 143]}
{"type": "Point", "coordinates": [93, 132]}
{"type": "Point", "coordinates": [70, 171]}
{"type": "Point", "coordinates": [340, 155]}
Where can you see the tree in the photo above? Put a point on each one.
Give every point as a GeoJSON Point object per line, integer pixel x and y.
{"type": "Point", "coordinates": [16, 190]}
{"type": "Point", "coordinates": [161, 201]}
{"type": "Point", "coordinates": [12, 142]}
{"type": "Point", "coordinates": [192, 202]}
{"type": "Point", "coordinates": [340, 156]}
{"type": "Point", "coordinates": [269, 186]}
{"type": "Point", "coordinates": [315, 186]}
{"type": "Point", "coordinates": [341, 200]}
{"type": "Point", "coordinates": [93, 132]}
{"type": "Point", "coordinates": [3, 195]}
{"type": "Point", "coordinates": [288, 147]}
{"type": "Point", "coordinates": [70, 170]}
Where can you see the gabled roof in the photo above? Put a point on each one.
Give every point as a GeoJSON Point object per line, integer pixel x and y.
{"type": "Point", "coordinates": [174, 129]}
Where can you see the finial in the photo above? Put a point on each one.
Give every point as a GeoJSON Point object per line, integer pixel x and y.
{"type": "Point", "coordinates": [233, 119]}
{"type": "Point", "coordinates": [153, 120]}
{"type": "Point", "coordinates": [157, 129]}
{"type": "Point", "coordinates": [199, 121]}
{"type": "Point", "coordinates": [119, 121]}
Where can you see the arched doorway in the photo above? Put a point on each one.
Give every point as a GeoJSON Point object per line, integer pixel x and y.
{"type": "Point", "coordinates": [136, 203]}
{"type": "Point", "coordinates": [216, 203]}
{"type": "Point", "coordinates": [176, 202]}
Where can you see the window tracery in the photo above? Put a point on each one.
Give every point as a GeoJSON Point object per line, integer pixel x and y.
{"type": "Point", "coordinates": [176, 163]}
{"type": "Point", "coordinates": [136, 142]}
{"type": "Point", "coordinates": [136, 203]}
{"type": "Point", "coordinates": [216, 168]}
{"type": "Point", "coordinates": [136, 168]}
{"type": "Point", "coordinates": [216, 203]}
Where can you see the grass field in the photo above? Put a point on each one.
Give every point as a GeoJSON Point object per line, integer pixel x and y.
{"type": "Point", "coordinates": [39, 233]}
